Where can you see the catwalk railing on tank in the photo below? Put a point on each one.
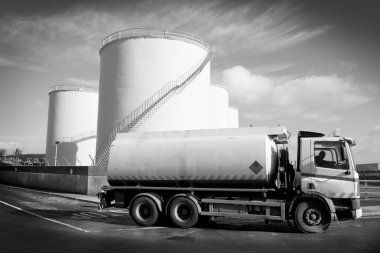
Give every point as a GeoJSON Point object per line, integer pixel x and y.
{"type": "Point", "coordinates": [79, 137]}
{"type": "Point", "coordinates": [153, 32]}
{"type": "Point", "coordinates": [145, 110]}
{"type": "Point", "coordinates": [72, 87]}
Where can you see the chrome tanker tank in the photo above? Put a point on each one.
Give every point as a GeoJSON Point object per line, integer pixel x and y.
{"type": "Point", "coordinates": [243, 157]}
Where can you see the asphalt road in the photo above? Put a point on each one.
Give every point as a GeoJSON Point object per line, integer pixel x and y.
{"type": "Point", "coordinates": [31, 222]}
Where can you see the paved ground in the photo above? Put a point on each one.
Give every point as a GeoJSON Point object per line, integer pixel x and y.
{"type": "Point", "coordinates": [34, 222]}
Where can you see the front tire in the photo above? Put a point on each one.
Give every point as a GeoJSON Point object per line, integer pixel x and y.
{"type": "Point", "coordinates": [311, 217]}
{"type": "Point", "coordinates": [144, 211]}
{"type": "Point", "coordinates": [183, 212]}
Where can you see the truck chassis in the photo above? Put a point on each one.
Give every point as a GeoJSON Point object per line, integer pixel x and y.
{"type": "Point", "coordinates": [185, 206]}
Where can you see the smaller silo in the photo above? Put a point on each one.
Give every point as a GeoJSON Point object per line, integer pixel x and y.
{"type": "Point", "coordinates": [218, 106]}
{"type": "Point", "coordinates": [232, 117]}
{"type": "Point", "coordinates": [221, 114]}
{"type": "Point", "coordinates": [72, 122]}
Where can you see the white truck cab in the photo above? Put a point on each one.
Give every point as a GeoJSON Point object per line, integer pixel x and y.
{"type": "Point", "coordinates": [326, 166]}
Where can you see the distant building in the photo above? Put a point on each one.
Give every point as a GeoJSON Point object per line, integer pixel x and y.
{"type": "Point", "coordinates": [368, 167]}
{"type": "Point", "coordinates": [23, 159]}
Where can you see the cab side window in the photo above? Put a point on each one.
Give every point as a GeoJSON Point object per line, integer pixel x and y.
{"type": "Point", "coordinates": [330, 154]}
{"type": "Point", "coordinates": [325, 158]}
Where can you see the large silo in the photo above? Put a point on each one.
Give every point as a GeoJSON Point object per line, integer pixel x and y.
{"type": "Point", "coordinates": [135, 64]}
{"type": "Point", "coordinates": [72, 121]}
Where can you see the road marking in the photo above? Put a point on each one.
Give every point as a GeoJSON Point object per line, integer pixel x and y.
{"type": "Point", "coordinates": [116, 211]}
{"type": "Point", "coordinates": [116, 214]}
{"type": "Point", "coordinates": [88, 215]}
{"type": "Point", "coordinates": [370, 217]}
{"type": "Point", "coordinates": [99, 214]}
{"type": "Point", "coordinates": [79, 216]}
{"type": "Point", "coordinates": [128, 229]}
{"type": "Point", "coordinates": [188, 233]}
{"type": "Point", "coordinates": [44, 218]}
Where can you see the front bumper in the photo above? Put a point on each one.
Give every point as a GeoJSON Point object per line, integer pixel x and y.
{"type": "Point", "coordinates": [357, 213]}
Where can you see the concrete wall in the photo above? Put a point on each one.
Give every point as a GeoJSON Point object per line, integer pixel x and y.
{"type": "Point", "coordinates": [79, 179]}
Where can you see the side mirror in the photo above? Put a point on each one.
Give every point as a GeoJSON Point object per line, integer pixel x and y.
{"type": "Point", "coordinates": [344, 165]}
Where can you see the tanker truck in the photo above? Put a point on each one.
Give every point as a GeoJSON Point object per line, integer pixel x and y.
{"type": "Point", "coordinates": [188, 176]}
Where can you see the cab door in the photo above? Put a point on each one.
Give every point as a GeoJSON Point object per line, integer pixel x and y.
{"type": "Point", "coordinates": [330, 170]}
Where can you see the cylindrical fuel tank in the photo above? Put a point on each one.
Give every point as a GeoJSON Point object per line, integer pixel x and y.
{"type": "Point", "coordinates": [232, 117]}
{"type": "Point", "coordinates": [244, 157]}
{"type": "Point", "coordinates": [135, 64]}
{"type": "Point", "coordinates": [72, 112]}
{"type": "Point", "coordinates": [218, 106]}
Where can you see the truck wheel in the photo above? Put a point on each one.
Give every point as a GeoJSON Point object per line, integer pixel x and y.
{"type": "Point", "coordinates": [144, 211]}
{"type": "Point", "coordinates": [311, 217]}
{"type": "Point", "coordinates": [183, 212]}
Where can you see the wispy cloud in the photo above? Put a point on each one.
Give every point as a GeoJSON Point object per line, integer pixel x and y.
{"type": "Point", "coordinates": [82, 81]}
{"type": "Point", "coordinates": [294, 98]}
{"type": "Point", "coordinates": [248, 27]}
{"type": "Point", "coordinates": [375, 130]}
{"type": "Point", "coordinates": [73, 37]}
{"type": "Point", "coordinates": [272, 68]}
{"type": "Point", "coordinates": [6, 62]}
{"type": "Point", "coordinates": [346, 65]}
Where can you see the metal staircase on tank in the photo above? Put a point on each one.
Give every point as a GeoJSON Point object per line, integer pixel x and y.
{"type": "Point", "coordinates": [137, 117]}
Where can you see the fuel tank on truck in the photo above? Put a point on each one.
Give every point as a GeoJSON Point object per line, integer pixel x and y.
{"type": "Point", "coordinates": [240, 157]}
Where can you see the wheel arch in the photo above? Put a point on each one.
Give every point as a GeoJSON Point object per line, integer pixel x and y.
{"type": "Point", "coordinates": [156, 198]}
{"type": "Point", "coordinates": [189, 196]}
{"type": "Point", "coordinates": [311, 196]}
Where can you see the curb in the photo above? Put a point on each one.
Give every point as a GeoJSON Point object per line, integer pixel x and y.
{"type": "Point", "coordinates": [371, 214]}
{"type": "Point", "coordinates": [48, 193]}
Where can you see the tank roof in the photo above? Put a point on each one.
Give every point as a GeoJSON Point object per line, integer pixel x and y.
{"type": "Point", "coordinates": [153, 32]}
{"type": "Point", "coordinates": [72, 87]}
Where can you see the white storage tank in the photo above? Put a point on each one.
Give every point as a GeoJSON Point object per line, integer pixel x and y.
{"type": "Point", "coordinates": [72, 121]}
{"type": "Point", "coordinates": [218, 106]}
{"type": "Point", "coordinates": [232, 117]}
{"type": "Point", "coordinates": [136, 63]}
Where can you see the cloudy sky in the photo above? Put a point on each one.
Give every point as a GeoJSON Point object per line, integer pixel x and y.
{"type": "Point", "coordinates": [308, 65]}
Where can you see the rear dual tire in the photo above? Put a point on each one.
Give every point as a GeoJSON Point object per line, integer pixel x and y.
{"type": "Point", "coordinates": [183, 212]}
{"type": "Point", "coordinates": [144, 211]}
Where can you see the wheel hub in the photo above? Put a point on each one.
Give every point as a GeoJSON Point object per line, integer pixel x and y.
{"type": "Point", "coordinates": [312, 216]}
{"type": "Point", "coordinates": [144, 212]}
{"type": "Point", "coordinates": [183, 212]}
